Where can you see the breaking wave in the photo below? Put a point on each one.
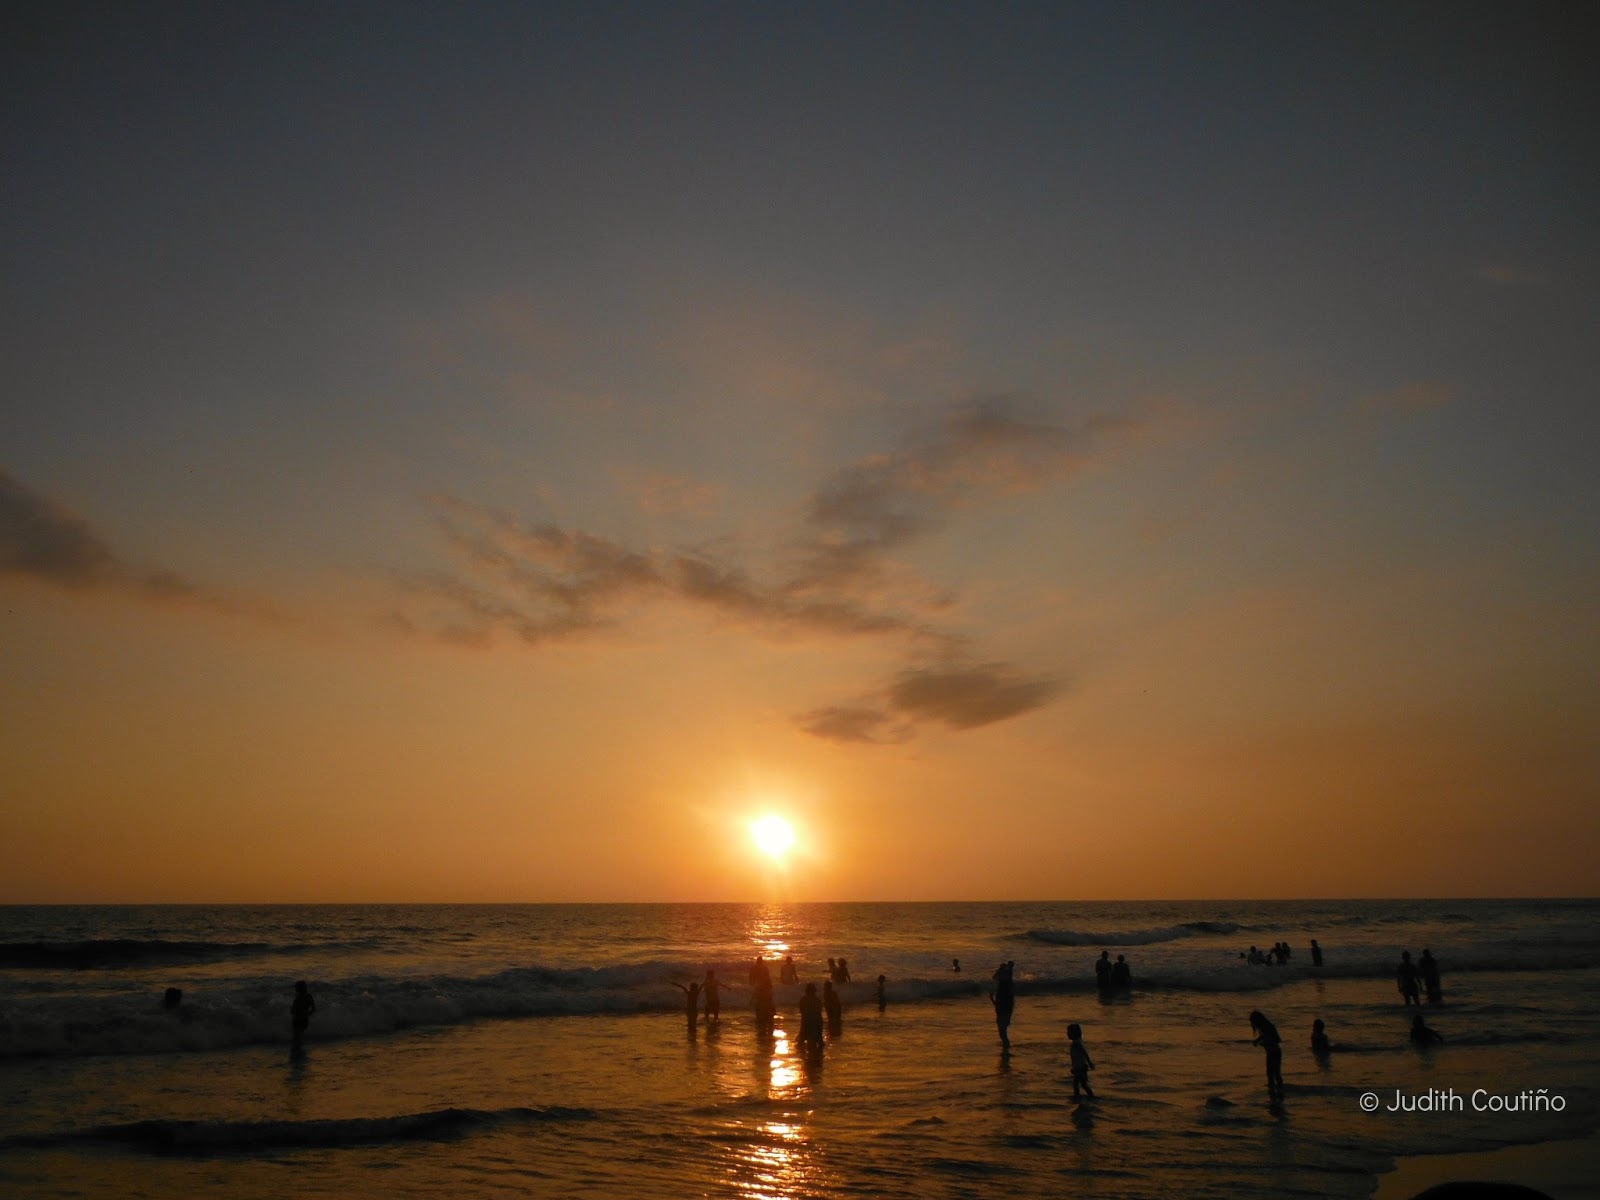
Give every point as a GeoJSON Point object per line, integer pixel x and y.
{"type": "Point", "coordinates": [1134, 937]}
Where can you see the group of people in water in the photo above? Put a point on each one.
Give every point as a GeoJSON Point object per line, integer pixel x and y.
{"type": "Point", "coordinates": [1279, 955]}
{"type": "Point", "coordinates": [826, 1011]}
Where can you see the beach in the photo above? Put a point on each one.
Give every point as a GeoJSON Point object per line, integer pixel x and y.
{"type": "Point", "coordinates": [484, 1050]}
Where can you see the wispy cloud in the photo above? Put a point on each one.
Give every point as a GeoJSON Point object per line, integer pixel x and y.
{"type": "Point", "coordinates": [958, 696]}
{"type": "Point", "coordinates": [43, 542]}
{"type": "Point", "coordinates": [837, 573]}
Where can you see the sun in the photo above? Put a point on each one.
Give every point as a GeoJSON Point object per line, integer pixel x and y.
{"type": "Point", "coordinates": [773, 836]}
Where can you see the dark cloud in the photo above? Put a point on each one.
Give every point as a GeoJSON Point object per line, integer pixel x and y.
{"type": "Point", "coordinates": [41, 541]}
{"type": "Point", "coordinates": [960, 696]}
{"type": "Point", "coordinates": [542, 582]}
{"type": "Point", "coordinates": [842, 723]}
{"type": "Point", "coordinates": [874, 506]}
{"type": "Point", "coordinates": [968, 697]}
{"type": "Point", "coordinates": [835, 575]}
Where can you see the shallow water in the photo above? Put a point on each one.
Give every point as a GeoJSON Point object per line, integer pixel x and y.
{"type": "Point", "coordinates": [430, 1069]}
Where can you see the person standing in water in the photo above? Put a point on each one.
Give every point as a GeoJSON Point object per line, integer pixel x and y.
{"type": "Point", "coordinates": [300, 1016]}
{"type": "Point", "coordinates": [883, 996]}
{"type": "Point", "coordinates": [1267, 1037]}
{"type": "Point", "coordinates": [691, 992]}
{"type": "Point", "coordinates": [833, 1008]}
{"type": "Point", "coordinates": [787, 973]}
{"type": "Point", "coordinates": [1320, 1045]}
{"type": "Point", "coordinates": [1428, 968]}
{"type": "Point", "coordinates": [1004, 998]}
{"type": "Point", "coordinates": [1102, 971]}
{"type": "Point", "coordinates": [1316, 953]}
{"type": "Point", "coordinates": [1406, 977]}
{"type": "Point", "coordinates": [710, 990]}
{"type": "Point", "coordinates": [810, 1018]}
{"type": "Point", "coordinates": [1082, 1064]}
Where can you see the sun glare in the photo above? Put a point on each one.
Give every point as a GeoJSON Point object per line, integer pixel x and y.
{"type": "Point", "coordinates": [773, 836]}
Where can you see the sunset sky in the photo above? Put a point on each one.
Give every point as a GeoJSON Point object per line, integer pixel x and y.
{"type": "Point", "coordinates": [495, 452]}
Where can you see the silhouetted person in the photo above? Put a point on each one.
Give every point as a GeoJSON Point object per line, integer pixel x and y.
{"type": "Point", "coordinates": [1421, 1035]}
{"type": "Point", "coordinates": [1004, 998]}
{"type": "Point", "coordinates": [1428, 968]}
{"type": "Point", "coordinates": [691, 992]}
{"type": "Point", "coordinates": [1280, 953]}
{"type": "Point", "coordinates": [883, 996]}
{"type": "Point", "coordinates": [844, 971]}
{"type": "Point", "coordinates": [833, 970]}
{"type": "Point", "coordinates": [1102, 971]}
{"type": "Point", "coordinates": [787, 973]}
{"type": "Point", "coordinates": [1082, 1064]}
{"type": "Point", "coordinates": [955, 965]}
{"type": "Point", "coordinates": [300, 1016]}
{"type": "Point", "coordinates": [1316, 953]}
{"type": "Point", "coordinates": [1320, 1045]}
{"type": "Point", "coordinates": [172, 998]}
{"type": "Point", "coordinates": [1267, 1037]}
{"type": "Point", "coordinates": [810, 1017]}
{"type": "Point", "coordinates": [833, 1009]}
{"type": "Point", "coordinates": [711, 989]}
{"type": "Point", "coordinates": [761, 994]}
{"type": "Point", "coordinates": [1121, 975]}
{"type": "Point", "coordinates": [1256, 957]}
{"type": "Point", "coordinates": [1407, 978]}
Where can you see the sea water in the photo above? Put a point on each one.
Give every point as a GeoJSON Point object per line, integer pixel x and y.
{"type": "Point", "coordinates": [543, 1049]}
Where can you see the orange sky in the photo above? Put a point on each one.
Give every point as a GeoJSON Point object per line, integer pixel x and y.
{"type": "Point", "coordinates": [1154, 473]}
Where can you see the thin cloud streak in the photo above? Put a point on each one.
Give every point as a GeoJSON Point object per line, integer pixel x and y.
{"type": "Point", "coordinates": [836, 575]}
{"type": "Point", "coordinates": [43, 542]}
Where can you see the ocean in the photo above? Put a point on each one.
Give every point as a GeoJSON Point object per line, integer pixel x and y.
{"type": "Point", "coordinates": [543, 1050]}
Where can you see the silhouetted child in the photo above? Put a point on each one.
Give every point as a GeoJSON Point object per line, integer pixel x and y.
{"type": "Point", "coordinates": [1319, 1039]}
{"type": "Point", "coordinates": [883, 997]}
{"type": "Point", "coordinates": [1421, 1035]}
{"type": "Point", "coordinates": [787, 973]}
{"type": "Point", "coordinates": [1082, 1064]}
{"type": "Point", "coordinates": [1267, 1037]}
{"type": "Point", "coordinates": [1316, 953]}
{"type": "Point", "coordinates": [831, 1006]}
{"type": "Point", "coordinates": [711, 990]}
{"type": "Point", "coordinates": [955, 965]}
{"type": "Point", "coordinates": [1102, 971]}
{"type": "Point", "coordinates": [810, 1017]}
{"type": "Point", "coordinates": [691, 992]}
{"type": "Point", "coordinates": [844, 970]}
{"type": "Point", "coordinates": [300, 1016]}
{"type": "Point", "coordinates": [1406, 976]}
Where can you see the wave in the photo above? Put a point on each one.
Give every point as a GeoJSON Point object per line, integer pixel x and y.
{"type": "Point", "coordinates": [255, 1012]}
{"type": "Point", "coordinates": [121, 953]}
{"type": "Point", "coordinates": [1135, 937]}
{"type": "Point", "coordinates": [247, 1137]}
